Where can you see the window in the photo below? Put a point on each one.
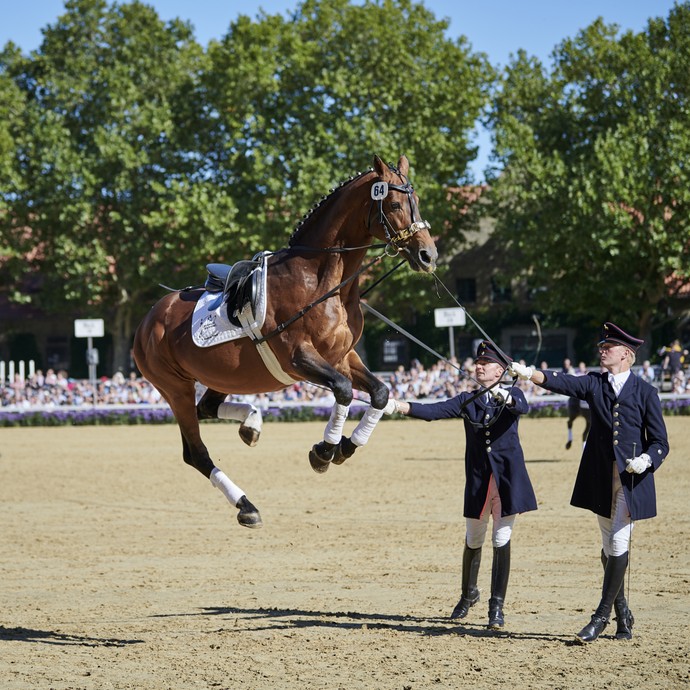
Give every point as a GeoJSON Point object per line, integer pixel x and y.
{"type": "Point", "coordinates": [500, 293]}
{"type": "Point", "coordinates": [395, 351]}
{"type": "Point", "coordinates": [466, 289]}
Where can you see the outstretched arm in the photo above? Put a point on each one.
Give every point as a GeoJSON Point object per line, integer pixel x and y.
{"type": "Point", "coordinates": [525, 373]}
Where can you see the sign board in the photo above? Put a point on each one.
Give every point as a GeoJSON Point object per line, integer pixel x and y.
{"type": "Point", "coordinates": [454, 316]}
{"type": "Point", "coordinates": [89, 328]}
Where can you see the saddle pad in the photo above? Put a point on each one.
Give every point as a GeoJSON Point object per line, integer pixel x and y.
{"type": "Point", "coordinates": [210, 322]}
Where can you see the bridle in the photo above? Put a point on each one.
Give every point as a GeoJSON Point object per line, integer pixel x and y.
{"type": "Point", "coordinates": [396, 239]}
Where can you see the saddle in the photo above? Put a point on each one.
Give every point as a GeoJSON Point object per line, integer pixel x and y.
{"type": "Point", "coordinates": [239, 284]}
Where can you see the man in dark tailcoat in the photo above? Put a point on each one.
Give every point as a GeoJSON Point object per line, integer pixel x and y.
{"type": "Point", "coordinates": [496, 479]}
{"type": "Point", "coordinates": [626, 445]}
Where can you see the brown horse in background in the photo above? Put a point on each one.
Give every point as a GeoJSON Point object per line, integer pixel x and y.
{"type": "Point", "coordinates": [313, 321]}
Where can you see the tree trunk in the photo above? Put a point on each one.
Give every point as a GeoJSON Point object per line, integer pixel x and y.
{"type": "Point", "coordinates": [645, 332]}
{"type": "Point", "coordinates": [123, 332]}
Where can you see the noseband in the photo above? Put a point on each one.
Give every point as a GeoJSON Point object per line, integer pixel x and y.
{"type": "Point", "coordinates": [397, 239]}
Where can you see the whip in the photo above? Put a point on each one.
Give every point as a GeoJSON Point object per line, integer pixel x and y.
{"type": "Point", "coordinates": [632, 524]}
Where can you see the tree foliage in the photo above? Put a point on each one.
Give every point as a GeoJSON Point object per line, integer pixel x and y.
{"type": "Point", "coordinates": [299, 103]}
{"type": "Point", "coordinates": [133, 156]}
{"type": "Point", "coordinates": [593, 197]}
{"type": "Point", "coordinates": [108, 195]}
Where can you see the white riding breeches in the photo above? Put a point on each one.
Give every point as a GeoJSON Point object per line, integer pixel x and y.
{"type": "Point", "coordinates": [502, 527]}
{"type": "Point", "coordinates": [616, 530]}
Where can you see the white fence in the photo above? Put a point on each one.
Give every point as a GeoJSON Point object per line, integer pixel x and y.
{"type": "Point", "coordinates": [9, 370]}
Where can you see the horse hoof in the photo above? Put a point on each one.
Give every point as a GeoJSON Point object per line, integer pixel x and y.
{"type": "Point", "coordinates": [320, 456]}
{"type": "Point", "coordinates": [248, 515]}
{"type": "Point", "coordinates": [249, 436]}
{"type": "Point", "coordinates": [344, 450]}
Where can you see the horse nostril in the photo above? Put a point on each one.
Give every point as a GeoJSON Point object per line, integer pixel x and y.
{"type": "Point", "coordinates": [427, 258]}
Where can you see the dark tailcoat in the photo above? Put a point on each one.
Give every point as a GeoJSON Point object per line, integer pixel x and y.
{"type": "Point", "coordinates": [492, 447]}
{"type": "Point", "coordinates": [622, 427]}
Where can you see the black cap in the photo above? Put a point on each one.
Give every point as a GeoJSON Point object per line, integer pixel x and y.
{"type": "Point", "coordinates": [488, 351]}
{"type": "Point", "coordinates": [610, 333]}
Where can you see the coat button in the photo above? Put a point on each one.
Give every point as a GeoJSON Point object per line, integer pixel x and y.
{"type": "Point", "coordinates": [616, 405]}
{"type": "Point", "coordinates": [615, 433]}
{"type": "Point", "coordinates": [488, 433]}
{"type": "Point", "coordinates": [488, 450]}
{"type": "Point", "coordinates": [615, 443]}
{"type": "Point", "coordinates": [488, 441]}
{"type": "Point", "coordinates": [616, 424]}
{"type": "Point", "coordinates": [615, 414]}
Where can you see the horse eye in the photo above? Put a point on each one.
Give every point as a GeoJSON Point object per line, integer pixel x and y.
{"type": "Point", "coordinates": [395, 206]}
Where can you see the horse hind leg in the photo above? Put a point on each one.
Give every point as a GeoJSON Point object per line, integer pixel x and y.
{"type": "Point", "coordinates": [247, 513]}
{"type": "Point", "coordinates": [214, 406]}
{"type": "Point", "coordinates": [569, 442]}
{"type": "Point", "coordinates": [195, 454]}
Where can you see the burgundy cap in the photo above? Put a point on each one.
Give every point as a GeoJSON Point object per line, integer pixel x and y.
{"type": "Point", "coordinates": [610, 333]}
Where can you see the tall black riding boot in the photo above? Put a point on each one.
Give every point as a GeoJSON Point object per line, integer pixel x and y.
{"type": "Point", "coordinates": [624, 617]}
{"type": "Point", "coordinates": [500, 572]}
{"type": "Point", "coordinates": [614, 574]}
{"type": "Point", "coordinates": [471, 558]}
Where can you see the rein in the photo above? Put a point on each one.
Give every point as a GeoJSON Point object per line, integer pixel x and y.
{"type": "Point", "coordinates": [279, 329]}
{"type": "Point", "coordinates": [504, 356]}
{"type": "Point", "coordinates": [335, 250]}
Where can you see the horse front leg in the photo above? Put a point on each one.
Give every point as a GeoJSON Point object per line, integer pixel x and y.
{"type": "Point", "coordinates": [313, 367]}
{"type": "Point", "coordinates": [364, 380]}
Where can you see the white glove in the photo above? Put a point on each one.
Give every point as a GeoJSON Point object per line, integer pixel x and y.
{"type": "Point", "coordinates": [391, 406]}
{"type": "Point", "coordinates": [521, 371]}
{"type": "Point", "coordinates": [501, 395]}
{"type": "Point", "coordinates": [639, 464]}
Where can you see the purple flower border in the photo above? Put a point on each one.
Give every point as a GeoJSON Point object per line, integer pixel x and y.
{"type": "Point", "coordinates": [147, 414]}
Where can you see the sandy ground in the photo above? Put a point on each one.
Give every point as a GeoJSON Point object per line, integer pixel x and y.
{"type": "Point", "coordinates": [121, 567]}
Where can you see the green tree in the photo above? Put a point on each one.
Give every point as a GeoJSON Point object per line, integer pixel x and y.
{"type": "Point", "coordinates": [141, 156]}
{"type": "Point", "coordinates": [300, 103]}
{"type": "Point", "coordinates": [592, 201]}
{"type": "Point", "coordinates": [110, 199]}
{"type": "Point", "coordinates": [12, 104]}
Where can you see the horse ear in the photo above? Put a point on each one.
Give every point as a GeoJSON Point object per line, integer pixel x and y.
{"type": "Point", "coordinates": [379, 166]}
{"type": "Point", "coordinates": [403, 164]}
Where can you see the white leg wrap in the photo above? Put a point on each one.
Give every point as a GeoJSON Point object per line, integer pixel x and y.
{"type": "Point", "coordinates": [246, 414]}
{"type": "Point", "coordinates": [221, 481]}
{"type": "Point", "coordinates": [254, 419]}
{"type": "Point", "coordinates": [366, 425]}
{"type": "Point", "coordinates": [334, 428]}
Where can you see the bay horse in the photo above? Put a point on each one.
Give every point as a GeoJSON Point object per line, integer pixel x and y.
{"type": "Point", "coordinates": [312, 324]}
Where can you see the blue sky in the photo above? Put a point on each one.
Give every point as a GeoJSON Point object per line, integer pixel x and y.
{"type": "Point", "coordinates": [497, 28]}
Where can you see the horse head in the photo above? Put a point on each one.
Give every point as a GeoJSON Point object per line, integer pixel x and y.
{"type": "Point", "coordinates": [395, 219]}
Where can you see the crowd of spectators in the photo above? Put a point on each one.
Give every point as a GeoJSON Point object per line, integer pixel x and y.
{"type": "Point", "coordinates": [55, 389]}
{"type": "Point", "coordinates": [439, 381]}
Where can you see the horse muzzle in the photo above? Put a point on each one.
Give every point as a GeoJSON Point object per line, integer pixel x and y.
{"type": "Point", "coordinates": [421, 252]}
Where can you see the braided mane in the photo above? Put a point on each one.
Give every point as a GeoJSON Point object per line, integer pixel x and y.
{"type": "Point", "coordinates": [296, 233]}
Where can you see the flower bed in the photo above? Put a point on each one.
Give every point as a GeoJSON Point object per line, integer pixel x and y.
{"type": "Point", "coordinates": [108, 415]}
